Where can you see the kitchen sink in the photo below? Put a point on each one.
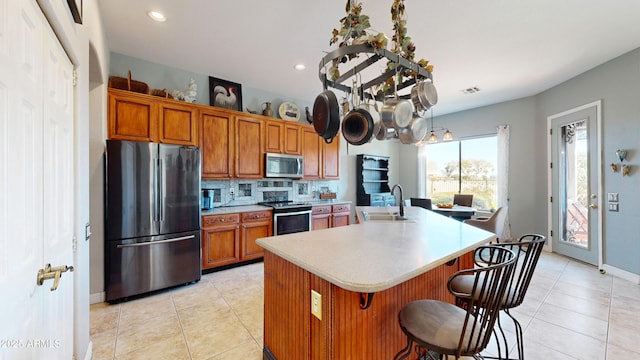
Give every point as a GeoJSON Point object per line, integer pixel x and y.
{"type": "Point", "coordinates": [385, 216]}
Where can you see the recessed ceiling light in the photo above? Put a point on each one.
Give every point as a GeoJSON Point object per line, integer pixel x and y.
{"type": "Point", "coordinates": [299, 67]}
{"type": "Point", "coordinates": [157, 16]}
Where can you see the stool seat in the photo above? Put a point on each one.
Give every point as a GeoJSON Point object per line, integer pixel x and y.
{"type": "Point", "coordinates": [437, 325]}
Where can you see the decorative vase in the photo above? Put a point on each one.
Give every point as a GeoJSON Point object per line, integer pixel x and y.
{"type": "Point", "coordinates": [266, 109]}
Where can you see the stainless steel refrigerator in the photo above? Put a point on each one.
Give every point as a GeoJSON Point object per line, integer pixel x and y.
{"type": "Point", "coordinates": [152, 225]}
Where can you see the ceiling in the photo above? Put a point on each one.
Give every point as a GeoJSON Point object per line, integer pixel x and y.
{"type": "Point", "coordinates": [508, 49]}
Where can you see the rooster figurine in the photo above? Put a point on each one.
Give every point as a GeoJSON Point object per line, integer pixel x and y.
{"type": "Point", "coordinates": [224, 99]}
{"type": "Point", "coordinates": [188, 95]}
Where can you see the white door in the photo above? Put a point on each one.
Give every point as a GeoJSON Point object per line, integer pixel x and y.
{"type": "Point", "coordinates": [36, 185]}
{"type": "Point", "coordinates": [575, 184]}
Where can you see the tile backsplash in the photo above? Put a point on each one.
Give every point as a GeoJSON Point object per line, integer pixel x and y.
{"type": "Point", "coordinates": [248, 192]}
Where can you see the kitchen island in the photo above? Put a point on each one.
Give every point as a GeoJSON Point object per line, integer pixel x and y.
{"type": "Point", "coordinates": [364, 274]}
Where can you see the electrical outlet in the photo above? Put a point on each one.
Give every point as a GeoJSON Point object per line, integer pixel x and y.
{"type": "Point", "coordinates": [316, 304]}
{"type": "Point", "coordinates": [232, 191]}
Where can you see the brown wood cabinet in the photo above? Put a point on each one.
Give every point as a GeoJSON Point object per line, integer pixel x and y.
{"type": "Point", "coordinates": [282, 137]}
{"type": "Point", "coordinates": [331, 159]}
{"type": "Point", "coordinates": [249, 153]}
{"type": "Point", "coordinates": [220, 240]}
{"type": "Point", "coordinates": [312, 153]}
{"type": "Point", "coordinates": [327, 216]}
{"type": "Point", "coordinates": [232, 143]}
{"type": "Point", "coordinates": [217, 143]}
{"type": "Point", "coordinates": [320, 217]}
{"type": "Point", "coordinates": [341, 215]}
{"type": "Point", "coordinates": [292, 144]}
{"type": "Point", "coordinates": [273, 136]}
{"type": "Point", "coordinates": [231, 238]}
{"type": "Point", "coordinates": [254, 225]}
{"type": "Point", "coordinates": [139, 117]}
{"type": "Point", "coordinates": [177, 124]}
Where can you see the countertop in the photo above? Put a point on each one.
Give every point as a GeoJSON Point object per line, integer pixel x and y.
{"type": "Point", "coordinates": [250, 208]}
{"type": "Point", "coordinates": [376, 255]}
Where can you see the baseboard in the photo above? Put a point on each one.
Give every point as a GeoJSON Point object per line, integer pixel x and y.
{"type": "Point", "coordinates": [97, 298]}
{"type": "Point", "coordinates": [634, 278]}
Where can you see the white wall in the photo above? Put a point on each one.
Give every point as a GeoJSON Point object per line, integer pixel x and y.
{"type": "Point", "coordinates": [76, 39]}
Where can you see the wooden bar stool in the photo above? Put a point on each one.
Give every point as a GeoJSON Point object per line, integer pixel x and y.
{"type": "Point", "coordinates": [441, 328]}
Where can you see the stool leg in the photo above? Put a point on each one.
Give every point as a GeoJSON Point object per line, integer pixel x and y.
{"type": "Point", "coordinates": [519, 335]}
{"type": "Point", "coordinates": [406, 351]}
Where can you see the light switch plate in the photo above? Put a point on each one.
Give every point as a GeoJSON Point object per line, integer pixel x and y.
{"type": "Point", "coordinates": [613, 207]}
{"type": "Point", "coordinates": [612, 197]}
{"type": "Point", "coordinates": [316, 304]}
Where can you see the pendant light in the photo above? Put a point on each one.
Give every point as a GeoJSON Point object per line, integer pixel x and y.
{"type": "Point", "coordinates": [433, 138]}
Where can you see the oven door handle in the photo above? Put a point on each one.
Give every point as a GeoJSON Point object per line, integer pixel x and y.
{"type": "Point", "coordinates": [292, 213]}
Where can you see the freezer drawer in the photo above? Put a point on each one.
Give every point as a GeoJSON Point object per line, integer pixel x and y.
{"type": "Point", "coordinates": [138, 266]}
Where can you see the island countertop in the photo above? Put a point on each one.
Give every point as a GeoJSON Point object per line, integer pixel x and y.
{"type": "Point", "coordinates": [373, 256]}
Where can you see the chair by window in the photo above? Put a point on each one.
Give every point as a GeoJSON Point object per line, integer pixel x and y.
{"type": "Point", "coordinates": [495, 223]}
{"type": "Point", "coordinates": [463, 199]}
{"type": "Point", "coordinates": [423, 203]}
{"type": "Point", "coordinates": [441, 328]}
{"type": "Point", "coordinates": [527, 250]}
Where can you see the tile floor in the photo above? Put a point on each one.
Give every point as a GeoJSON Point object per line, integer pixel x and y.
{"type": "Point", "coordinates": [571, 312]}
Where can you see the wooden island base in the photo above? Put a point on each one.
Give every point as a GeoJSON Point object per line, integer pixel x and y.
{"type": "Point", "coordinates": [346, 331]}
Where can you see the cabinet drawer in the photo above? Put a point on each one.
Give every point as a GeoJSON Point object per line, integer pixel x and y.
{"type": "Point", "coordinates": [256, 216]}
{"type": "Point", "coordinates": [341, 208]}
{"type": "Point", "coordinates": [321, 210]}
{"type": "Point", "coordinates": [216, 220]}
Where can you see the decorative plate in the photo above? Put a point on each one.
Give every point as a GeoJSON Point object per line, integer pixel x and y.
{"type": "Point", "coordinates": [289, 111]}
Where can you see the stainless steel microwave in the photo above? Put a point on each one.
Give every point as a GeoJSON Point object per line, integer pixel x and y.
{"type": "Point", "coordinates": [283, 166]}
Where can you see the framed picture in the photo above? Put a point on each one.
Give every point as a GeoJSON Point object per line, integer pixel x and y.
{"type": "Point", "coordinates": [225, 94]}
{"type": "Point", "coordinates": [76, 10]}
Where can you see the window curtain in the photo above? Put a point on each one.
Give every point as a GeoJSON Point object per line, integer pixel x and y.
{"type": "Point", "coordinates": [422, 171]}
{"type": "Point", "coordinates": [503, 176]}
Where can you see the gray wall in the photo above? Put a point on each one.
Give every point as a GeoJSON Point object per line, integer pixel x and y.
{"type": "Point", "coordinates": [617, 83]}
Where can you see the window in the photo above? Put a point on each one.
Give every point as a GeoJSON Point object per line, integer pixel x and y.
{"type": "Point", "coordinates": [465, 167]}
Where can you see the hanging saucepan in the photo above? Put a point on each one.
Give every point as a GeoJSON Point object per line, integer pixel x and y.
{"type": "Point", "coordinates": [385, 133]}
{"type": "Point", "coordinates": [424, 95]}
{"type": "Point", "coordinates": [357, 126]}
{"type": "Point", "coordinates": [326, 115]}
{"type": "Point", "coordinates": [416, 130]}
{"type": "Point", "coordinates": [396, 113]}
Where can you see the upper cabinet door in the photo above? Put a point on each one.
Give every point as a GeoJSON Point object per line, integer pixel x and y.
{"type": "Point", "coordinates": [249, 148]}
{"type": "Point", "coordinates": [331, 159]}
{"type": "Point", "coordinates": [132, 117]}
{"type": "Point", "coordinates": [311, 153]}
{"type": "Point", "coordinates": [292, 143]}
{"type": "Point", "coordinates": [273, 136]}
{"type": "Point", "coordinates": [178, 124]}
{"type": "Point", "coordinates": [217, 144]}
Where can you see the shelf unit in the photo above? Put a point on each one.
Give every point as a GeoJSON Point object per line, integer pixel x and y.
{"type": "Point", "coordinates": [373, 181]}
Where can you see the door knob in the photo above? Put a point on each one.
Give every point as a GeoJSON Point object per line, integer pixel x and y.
{"type": "Point", "coordinates": [52, 272]}
{"type": "Point", "coordinates": [593, 206]}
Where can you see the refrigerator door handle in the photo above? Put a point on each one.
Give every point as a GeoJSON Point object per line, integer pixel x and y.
{"type": "Point", "coordinates": [155, 186]}
{"type": "Point", "coordinates": [148, 243]}
{"type": "Point", "coordinates": [161, 190]}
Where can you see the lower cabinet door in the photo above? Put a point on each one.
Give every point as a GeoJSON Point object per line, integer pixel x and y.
{"type": "Point", "coordinates": [250, 233]}
{"type": "Point", "coordinates": [220, 246]}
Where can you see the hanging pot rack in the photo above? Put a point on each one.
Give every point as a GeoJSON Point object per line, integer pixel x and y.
{"type": "Point", "coordinates": [399, 65]}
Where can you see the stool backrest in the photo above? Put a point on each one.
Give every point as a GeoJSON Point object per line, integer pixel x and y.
{"type": "Point", "coordinates": [527, 250]}
{"type": "Point", "coordinates": [490, 280]}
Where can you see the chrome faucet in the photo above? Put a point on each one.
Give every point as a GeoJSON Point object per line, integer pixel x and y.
{"type": "Point", "coordinates": [393, 189]}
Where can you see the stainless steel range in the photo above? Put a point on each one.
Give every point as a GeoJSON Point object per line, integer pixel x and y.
{"type": "Point", "coordinates": [289, 216]}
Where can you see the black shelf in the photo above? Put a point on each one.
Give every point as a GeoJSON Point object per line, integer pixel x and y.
{"type": "Point", "coordinates": [373, 181]}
